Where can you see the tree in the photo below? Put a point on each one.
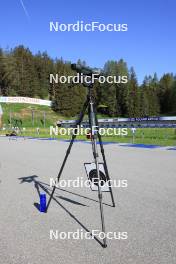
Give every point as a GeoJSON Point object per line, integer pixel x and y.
{"type": "Point", "coordinates": [68, 98]}
{"type": "Point", "coordinates": [24, 74]}
{"type": "Point", "coordinates": [165, 92]}
{"type": "Point", "coordinates": [133, 109]}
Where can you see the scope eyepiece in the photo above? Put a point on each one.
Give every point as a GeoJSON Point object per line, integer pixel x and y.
{"type": "Point", "coordinates": [85, 70]}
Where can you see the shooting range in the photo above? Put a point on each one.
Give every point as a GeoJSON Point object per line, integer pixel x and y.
{"type": "Point", "coordinates": [88, 132]}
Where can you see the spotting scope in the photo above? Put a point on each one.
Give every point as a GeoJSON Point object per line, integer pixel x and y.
{"type": "Point", "coordinates": [85, 70]}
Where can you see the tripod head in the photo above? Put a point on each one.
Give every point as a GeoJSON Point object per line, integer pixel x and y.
{"type": "Point", "coordinates": [85, 70]}
{"type": "Point", "coordinates": [86, 73]}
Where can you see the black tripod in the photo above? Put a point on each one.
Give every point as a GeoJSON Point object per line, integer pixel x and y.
{"type": "Point", "coordinates": [93, 121]}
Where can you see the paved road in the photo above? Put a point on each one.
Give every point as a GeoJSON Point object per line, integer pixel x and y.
{"type": "Point", "coordinates": [146, 209]}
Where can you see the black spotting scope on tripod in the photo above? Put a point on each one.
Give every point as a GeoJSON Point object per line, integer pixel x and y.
{"type": "Point", "coordinates": [95, 136]}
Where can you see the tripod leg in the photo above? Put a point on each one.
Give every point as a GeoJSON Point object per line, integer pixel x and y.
{"type": "Point", "coordinates": [106, 168]}
{"type": "Point", "coordinates": [99, 191]}
{"type": "Point", "coordinates": [69, 149]}
{"type": "Point", "coordinates": [105, 164]}
{"type": "Point", "coordinates": [95, 154]}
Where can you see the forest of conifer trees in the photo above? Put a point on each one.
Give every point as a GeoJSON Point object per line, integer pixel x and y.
{"type": "Point", "coordinates": [24, 74]}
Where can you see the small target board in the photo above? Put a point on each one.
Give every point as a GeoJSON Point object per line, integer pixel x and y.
{"type": "Point", "coordinates": [91, 172]}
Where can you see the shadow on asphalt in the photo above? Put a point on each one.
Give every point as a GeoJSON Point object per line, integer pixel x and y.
{"type": "Point", "coordinates": [41, 185]}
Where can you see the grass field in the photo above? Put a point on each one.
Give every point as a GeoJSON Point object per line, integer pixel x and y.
{"type": "Point", "coordinates": [31, 116]}
{"type": "Point", "coordinates": [158, 136]}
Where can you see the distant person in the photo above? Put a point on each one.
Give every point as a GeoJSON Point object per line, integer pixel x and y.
{"type": "Point", "coordinates": [38, 130]}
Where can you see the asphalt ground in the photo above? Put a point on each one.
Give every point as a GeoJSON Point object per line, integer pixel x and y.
{"type": "Point", "coordinates": [145, 209]}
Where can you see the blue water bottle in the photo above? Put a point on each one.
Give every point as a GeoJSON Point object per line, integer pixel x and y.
{"type": "Point", "coordinates": [43, 203]}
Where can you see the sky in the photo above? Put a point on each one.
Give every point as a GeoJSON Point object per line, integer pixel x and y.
{"type": "Point", "coordinates": [149, 45]}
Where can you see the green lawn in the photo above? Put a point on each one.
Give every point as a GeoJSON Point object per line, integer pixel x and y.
{"type": "Point", "coordinates": [25, 112]}
{"type": "Point", "coordinates": [158, 136]}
